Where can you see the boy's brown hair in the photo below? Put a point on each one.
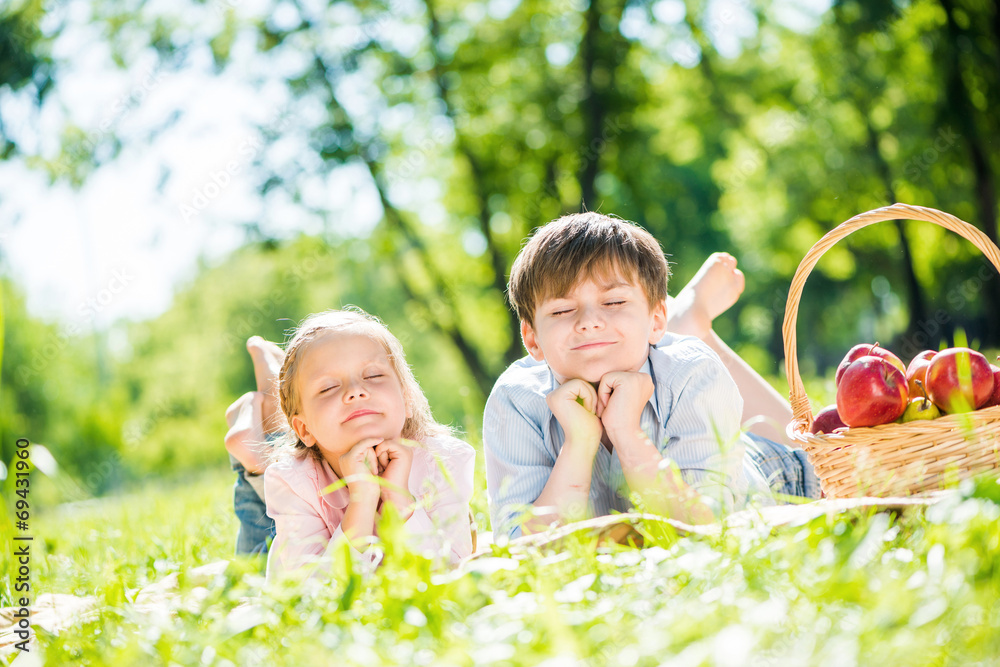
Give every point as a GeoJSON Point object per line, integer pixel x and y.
{"type": "Point", "coordinates": [585, 245]}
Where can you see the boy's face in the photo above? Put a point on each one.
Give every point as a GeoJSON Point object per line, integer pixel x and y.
{"type": "Point", "coordinates": [603, 324]}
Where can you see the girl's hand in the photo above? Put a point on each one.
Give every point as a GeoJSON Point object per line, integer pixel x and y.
{"type": "Point", "coordinates": [395, 460]}
{"type": "Point", "coordinates": [357, 467]}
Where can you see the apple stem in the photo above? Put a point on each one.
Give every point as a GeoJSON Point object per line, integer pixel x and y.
{"type": "Point", "coordinates": [923, 390]}
{"type": "Point", "coordinates": [872, 347]}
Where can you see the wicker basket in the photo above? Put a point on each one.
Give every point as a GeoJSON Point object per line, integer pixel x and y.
{"type": "Point", "coordinates": [890, 459]}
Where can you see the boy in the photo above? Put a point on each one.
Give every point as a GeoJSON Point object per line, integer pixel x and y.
{"type": "Point", "coordinates": [597, 413]}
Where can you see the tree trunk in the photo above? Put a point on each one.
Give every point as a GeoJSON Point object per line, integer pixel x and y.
{"type": "Point", "coordinates": [498, 261]}
{"type": "Point", "coordinates": [914, 294]}
{"type": "Point", "coordinates": [593, 107]}
{"type": "Point", "coordinates": [452, 330]}
{"type": "Point", "coordinates": [471, 355]}
{"type": "Point", "coordinates": [962, 112]}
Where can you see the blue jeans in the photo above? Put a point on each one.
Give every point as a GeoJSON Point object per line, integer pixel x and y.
{"type": "Point", "coordinates": [256, 527]}
{"type": "Point", "coordinates": [787, 471]}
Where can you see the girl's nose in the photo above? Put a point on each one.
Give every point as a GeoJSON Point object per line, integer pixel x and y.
{"type": "Point", "coordinates": [354, 391]}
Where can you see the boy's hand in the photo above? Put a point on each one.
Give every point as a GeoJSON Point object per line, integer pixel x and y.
{"type": "Point", "coordinates": [395, 460]}
{"type": "Point", "coordinates": [574, 404]}
{"type": "Point", "coordinates": [621, 397]}
{"type": "Point", "coordinates": [356, 467]}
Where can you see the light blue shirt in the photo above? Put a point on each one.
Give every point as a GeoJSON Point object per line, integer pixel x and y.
{"type": "Point", "coordinates": [693, 418]}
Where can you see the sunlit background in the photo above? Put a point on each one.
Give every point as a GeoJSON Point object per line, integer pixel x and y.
{"type": "Point", "coordinates": [177, 176]}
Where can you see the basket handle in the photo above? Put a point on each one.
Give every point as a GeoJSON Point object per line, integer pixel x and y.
{"type": "Point", "coordinates": [801, 411]}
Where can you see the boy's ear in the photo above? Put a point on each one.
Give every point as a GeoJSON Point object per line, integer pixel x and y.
{"type": "Point", "coordinates": [658, 327]}
{"type": "Point", "coordinates": [302, 431]}
{"type": "Point", "coordinates": [530, 342]}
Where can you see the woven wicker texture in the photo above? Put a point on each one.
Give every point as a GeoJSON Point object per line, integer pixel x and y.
{"type": "Point", "coordinates": [890, 459]}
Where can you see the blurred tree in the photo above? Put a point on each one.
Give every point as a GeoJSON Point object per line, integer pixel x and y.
{"type": "Point", "coordinates": [47, 395]}
{"type": "Point", "coordinates": [969, 108]}
{"type": "Point", "coordinates": [753, 128]}
{"type": "Point", "coordinates": [24, 58]}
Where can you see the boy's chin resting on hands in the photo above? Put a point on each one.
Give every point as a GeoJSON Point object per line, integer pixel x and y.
{"type": "Point", "coordinates": [574, 404]}
{"type": "Point", "coordinates": [621, 398]}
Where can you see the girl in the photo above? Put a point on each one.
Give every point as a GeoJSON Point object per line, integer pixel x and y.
{"type": "Point", "coordinates": [356, 412]}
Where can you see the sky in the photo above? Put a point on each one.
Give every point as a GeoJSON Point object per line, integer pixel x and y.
{"type": "Point", "coordinates": [121, 244]}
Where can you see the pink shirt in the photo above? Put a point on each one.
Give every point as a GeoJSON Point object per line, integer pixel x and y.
{"type": "Point", "coordinates": [307, 522]}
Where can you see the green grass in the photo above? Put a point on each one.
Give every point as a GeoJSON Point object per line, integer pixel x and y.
{"type": "Point", "coordinates": [921, 589]}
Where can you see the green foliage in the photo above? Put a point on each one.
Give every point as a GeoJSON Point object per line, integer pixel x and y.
{"type": "Point", "coordinates": [921, 589]}
{"type": "Point", "coordinates": [22, 47]}
{"type": "Point", "coordinates": [474, 124]}
{"type": "Point", "coordinates": [180, 376]}
{"type": "Point", "coordinates": [55, 389]}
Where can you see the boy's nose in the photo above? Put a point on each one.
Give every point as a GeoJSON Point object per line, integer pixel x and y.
{"type": "Point", "coordinates": [589, 318]}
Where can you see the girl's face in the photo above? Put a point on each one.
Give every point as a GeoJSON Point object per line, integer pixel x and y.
{"type": "Point", "coordinates": [349, 392]}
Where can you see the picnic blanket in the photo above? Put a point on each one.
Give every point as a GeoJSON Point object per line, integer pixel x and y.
{"type": "Point", "coordinates": [628, 528]}
{"type": "Point", "coordinates": [56, 612]}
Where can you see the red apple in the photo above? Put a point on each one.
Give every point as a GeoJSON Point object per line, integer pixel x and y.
{"type": "Point", "coordinates": [994, 398]}
{"type": "Point", "coordinates": [827, 421]}
{"type": "Point", "coordinates": [917, 370]}
{"type": "Point", "coordinates": [946, 385]}
{"type": "Point", "coordinates": [872, 391]}
{"type": "Point", "coordinates": [867, 349]}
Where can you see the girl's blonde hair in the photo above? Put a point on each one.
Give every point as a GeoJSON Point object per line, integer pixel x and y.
{"type": "Point", "coordinates": [418, 426]}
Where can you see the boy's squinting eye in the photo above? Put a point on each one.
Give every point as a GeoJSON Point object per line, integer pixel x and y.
{"type": "Point", "coordinates": [560, 308]}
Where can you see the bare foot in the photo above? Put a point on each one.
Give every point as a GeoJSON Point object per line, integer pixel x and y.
{"type": "Point", "coordinates": [245, 436]}
{"type": "Point", "coordinates": [267, 358]}
{"type": "Point", "coordinates": [713, 290]}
